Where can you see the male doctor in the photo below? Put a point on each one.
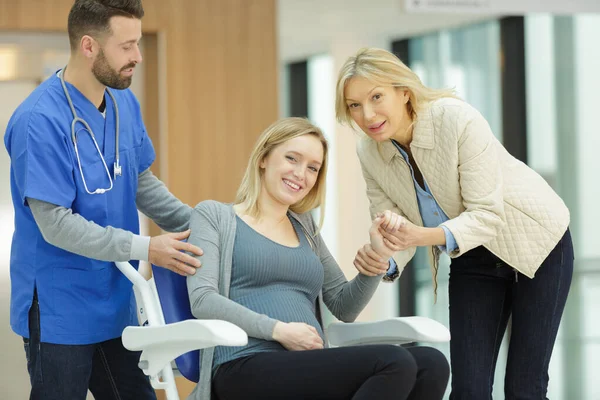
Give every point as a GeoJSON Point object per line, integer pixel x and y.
{"type": "Point", "coordinates": [80, 159]}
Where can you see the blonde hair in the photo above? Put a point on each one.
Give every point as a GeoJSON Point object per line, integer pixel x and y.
{"type": "Point", "coordinates": [278, 133]}
{"type": "Point", "coordinates": [384, 68]}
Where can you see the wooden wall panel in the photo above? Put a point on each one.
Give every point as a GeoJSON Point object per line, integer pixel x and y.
{"type": "Point", "coordinates": [151, 109]}
{"type": "Point", "coordinates": [51, 15]}
{"type": "Point", "coordinates": [230, 58]}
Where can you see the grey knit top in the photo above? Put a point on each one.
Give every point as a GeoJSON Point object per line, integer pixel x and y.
{"type": "Point", "coordinates": [272, 279]}
{"type": "Point", "coordinates": [214, 228]}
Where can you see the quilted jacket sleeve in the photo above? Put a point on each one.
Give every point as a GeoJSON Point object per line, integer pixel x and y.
{"type": "Point", "coordinates": [380, 202]}
{"type": "Point", "coordinates": [480, 175]}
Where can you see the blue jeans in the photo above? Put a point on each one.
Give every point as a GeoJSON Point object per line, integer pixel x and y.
{"type": "Point", "coordinates": [65, 372]}
{"type": "Point", "coordinates": [483, 292]}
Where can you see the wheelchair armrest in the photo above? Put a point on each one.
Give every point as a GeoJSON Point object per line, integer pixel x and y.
{"type": "Point", "coordinates": [161, 344]}
{"type": "Point", "coordinates": [390, 331]}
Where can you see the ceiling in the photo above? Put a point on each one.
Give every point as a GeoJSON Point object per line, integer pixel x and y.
{"type": "Point", "coordinates": [308, 27]}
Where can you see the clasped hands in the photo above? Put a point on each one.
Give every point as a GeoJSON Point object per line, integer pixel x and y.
{"type": "Point", "coordinates": [389, 233]}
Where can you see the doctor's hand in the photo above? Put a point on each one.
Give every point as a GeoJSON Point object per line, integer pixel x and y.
{"type": "Point", "coordinates": [296, 336]}
{"type": "Point", "coordinates": [167, 251]}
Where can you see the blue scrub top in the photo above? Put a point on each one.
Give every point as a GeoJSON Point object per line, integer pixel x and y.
{"type": "Point", "coordinates": [82, 300]}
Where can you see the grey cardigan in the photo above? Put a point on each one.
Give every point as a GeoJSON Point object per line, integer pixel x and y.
{"type": "Point", "coordinates": [213, 226]}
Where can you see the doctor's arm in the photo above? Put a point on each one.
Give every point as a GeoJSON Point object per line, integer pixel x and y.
{"type": "Point", "coordinates": [155, 201]}
{"type": "Point", "coordinates": [71, 232]}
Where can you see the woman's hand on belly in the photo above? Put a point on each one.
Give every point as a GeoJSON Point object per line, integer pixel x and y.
{"type": "Point", "coordinates": [296, 336]}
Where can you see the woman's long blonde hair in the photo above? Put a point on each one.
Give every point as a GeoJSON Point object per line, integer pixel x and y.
{"type": "Point", "coordinates": [278, 133]}
{"type": "Point", "coordinates": [384, 68]}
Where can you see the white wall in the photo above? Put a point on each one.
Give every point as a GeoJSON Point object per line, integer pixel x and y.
{"type": "Point", "coordinates": [14, 381]}
{"type": "Point", "coordinates": [311, 27]}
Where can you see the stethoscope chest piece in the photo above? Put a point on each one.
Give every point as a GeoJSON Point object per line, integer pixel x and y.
{"type": "Point", "coordinates": [117, 169]}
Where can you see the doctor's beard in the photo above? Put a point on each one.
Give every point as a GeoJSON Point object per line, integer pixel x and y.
{"type": "Point", "coordinates": [108, 76]}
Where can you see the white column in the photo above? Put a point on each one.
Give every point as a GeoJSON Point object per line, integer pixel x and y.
{"type": "Point", "coordinates": [352, 205]}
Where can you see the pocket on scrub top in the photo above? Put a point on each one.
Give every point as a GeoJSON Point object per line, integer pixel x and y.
{"type": "Point", "coordinates": [88, 153]}
{"type": "Point", "coordinates": [133, 161]}
{"type": "Point", "coordinates": [92, 207]}
{"type": "Point", "coordinates": [76, 291]}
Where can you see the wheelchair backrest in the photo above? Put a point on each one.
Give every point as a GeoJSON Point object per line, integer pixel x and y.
{"type": "Point", "coordinates": [175, 304]}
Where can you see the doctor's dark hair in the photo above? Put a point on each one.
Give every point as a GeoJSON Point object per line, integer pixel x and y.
{"type": "Point", "coordinates": [278, 133]}
{"type": "Point", "coordinates": [92, 17]}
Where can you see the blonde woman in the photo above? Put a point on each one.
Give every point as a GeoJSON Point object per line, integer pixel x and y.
{"type": "Point", "coordinates": [266, 269]}
{"type": "Point", "coordinates": [432, 159]}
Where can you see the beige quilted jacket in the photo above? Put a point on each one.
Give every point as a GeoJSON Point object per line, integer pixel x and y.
{"type": "Point", "coordinates": [491, 198]}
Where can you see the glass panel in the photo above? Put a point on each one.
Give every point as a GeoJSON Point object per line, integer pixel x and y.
{"type": "Point", "coordinates": [447, 58]}
{"type": "Point", "coordinates": [563, 60]}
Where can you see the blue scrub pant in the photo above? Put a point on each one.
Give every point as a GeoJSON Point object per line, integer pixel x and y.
{"type": "Point", "coordinates": [65, 372]}
{"type": "Point", "coordinates": [484, 291]}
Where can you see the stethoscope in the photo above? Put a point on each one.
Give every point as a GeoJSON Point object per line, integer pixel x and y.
{"type": "Point", "coordinates": [76, 119]}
